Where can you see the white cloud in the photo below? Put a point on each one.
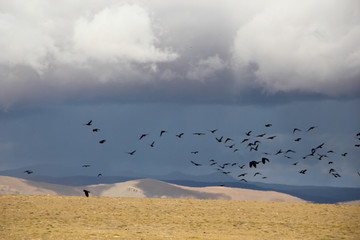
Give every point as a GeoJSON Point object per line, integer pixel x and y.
{"type": "Point", "coordinates": [122, 32]}
{"type": "Point", "coordinates": [268, 46]}
{"type": "Point", "coordinates": [310, 46]}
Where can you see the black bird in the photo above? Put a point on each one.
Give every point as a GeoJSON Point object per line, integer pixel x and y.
{"type": "Point", "coordinates": [320, 146]}
{"type": "Point", "coordinates": [195, 152]}
{"type": "Point", "coordinates": [231, 146]}
{"type": "Point", "coordinates": [131, 153]}
{"type": "Point", "coordinates": [243, 179]}
{"type": "Point", "coordinates": [180, 135]}
{"type": "Point", "coordinates": [86, 192]}
{"type": "Point", "coordinates": [357, 145]}
{"type": "Point", "coordinates": [228, 139]}
{"type": "Point", "coordinates": [311, 128]}
{"type": "Point", "coordinates": [99, 175]}
{"type": "Point", "coordinates": [261, 135]}
{"type": "Point", "coordinates": [102, 141]}
{"type": "Point", "coordinates": [253, 164]}
{"type": "Point", "coordinates": [344, 154]}
{"type": "Point", "coordinates": [242, 175]}
{"type": "Point", "coordinates": [296, 129]}
{"type": "Point", "coordinates": [292, 151]}
{"type": "Point", "coordinates": [28, 172]}
{"type": "Point", "coordinates": [212, 164]}
{"type": "Point", "coordinates": [271, 138]}
{"type": "Point", "coordinates": [213, 131]}
{"type": "Point", "coordinates": [162, 132]}
{"type": "Point", "coordinates": [330, 151]}
{"type": "Point", "coordinates": [245, 139]}
{"type": "Point", "coordinates": [242, 166]}
{"type": "Point", "coordinates": [248, 133]}
{"type": "Point", "coordinates": [330, 162]}
{"type": "Point", "coordinates": [358, 173]}
{"type": "Point", "coordinates": [212, 160]}
{"type": "Point", "coordinates": [332, 170]}
{"type": "Point", "coordinates": [199, 134]}
{"type": "Point", "coordinates": [303, 171]}
{"type": "Point", "coordinates": [295, 163]}
{"type": "Point", "coordinates": [219, 139]}
{"type": "Point", "coordinates": [86, 165]}
{"type": "Point", "coordinates": [264, 160]}
{"type": "Point", "coordinates": [358, 134]}
{"type": "Point", "coordinates": [152, 144]}
{"type": "Point", "coordinates": [196, 164]}
{"type": "Point", "coordinates": [298, 140]}
{"type": "Point", "coordinates": [96, 130]}
{"type": "Point", "coordinates": [280, 151]}
{"type": "Point", "coordinates": [89, 123]}
{"type": "Point", "coordinates": [143, 135]}
{"type": "Point", "coordinates": [268, 125]}
{"type": "Point", "coordinates": [257, 173]}
{"type": "Point", "coordinates": [264, 177]}
{"type": "Point", "coordinates": [336, 175]}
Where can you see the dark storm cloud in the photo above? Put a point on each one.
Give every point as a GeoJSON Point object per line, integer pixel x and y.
{"type": "Point", "coordinates": [206, 52]}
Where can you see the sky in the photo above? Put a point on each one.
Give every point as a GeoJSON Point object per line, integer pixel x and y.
{"type": "Point", "coordinates": [139, 67]}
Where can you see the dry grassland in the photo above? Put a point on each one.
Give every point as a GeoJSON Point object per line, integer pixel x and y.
{"type": "Point", "coordinates": [72, 217]}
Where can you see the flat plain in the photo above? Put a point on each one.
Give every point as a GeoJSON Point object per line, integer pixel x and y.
{"type": "Point", "coordinates": [75, 217]}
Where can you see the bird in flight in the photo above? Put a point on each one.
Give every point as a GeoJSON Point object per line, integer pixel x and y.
{"type": "Point", "coordinates": [219, 139]}
{"type": "Point", "coordinates": [199, 134]}
{"type": "Point", "coordinates": [271, 138]}
{"type": "Point", "coordinates": [131, 153]}
{"type": "Point", "coordinates": [99, 175]}
{"type": "Point", "coordinates": [96, 130]}
{"type": "Point", "coordinates": [242, 166]}
{"type": "Point", "coordinates": [242, 175]}
{"type": "Point", "coordinates": [253, 164]}
{"type": "Point", "coordinates": [162, 132]}
{"type": "Point", "coordinates": [344, 154]}
{"type": "Point", "coordinates": [180, 135]}
{"type": "Point", "coordinates": [28, 172]}
{"type": "Point", "coordinates": [257, 173]}
{"type": "Point", "coordinates": [268, 125]}
{"type": "Point", "coordinates": [213, 131]}
{"type": "Point", "coordinates": [195, 152]}
{"type": "Point", "coordinates": [295, 163]}
{"type": "Point", "coordinates": [89, 123]}
{"type": "Point", "coordinates": [102, 141]}
{"type": "Point", "coordinates": [152, 144]}
{"type": "Point", "coordinates": [298, 140]}
{"type": "Point", "coordinates": [311, 128]}
{"type": "Point", "coordinates": [264, 160]}
{"type": "Point", "coordinates": [296, 129]}
{"type": "Point", "coordinates": [303, 171]}
{"type": "Point", "coordinates": [228, 139]}
{"type": "Point", "coordinates": [143, 135]}
{"type": "Point", "coordinates": [261, 135]}
{"type": "Point", "coordinates": [86, 192]}
{"type": "Point", "coordinates": [196, 164]}
{"type": "Point", "coordinates": [243, 179]}
{"type": "Point", "coordinates": [86, 165]}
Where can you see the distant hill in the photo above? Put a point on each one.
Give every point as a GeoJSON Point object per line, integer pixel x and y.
{"type": "Point", "coordinates": [316, 194]}
{"type": "Point", "coordinates": [142, 188]}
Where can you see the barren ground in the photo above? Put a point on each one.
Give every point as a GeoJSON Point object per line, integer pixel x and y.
{"type": "Point", "coordinates": [74, 217]}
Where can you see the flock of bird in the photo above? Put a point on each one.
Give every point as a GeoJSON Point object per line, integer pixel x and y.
{"type": "Point", "coordinates": [248, 142]}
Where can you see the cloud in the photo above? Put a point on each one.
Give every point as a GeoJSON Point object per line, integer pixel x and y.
{"type": "Point", "coordinates": [116, 33]}
{"type": "Point", "coordinates": [310, 46]}
{"type": "Point", "coordinates": [130, 49]}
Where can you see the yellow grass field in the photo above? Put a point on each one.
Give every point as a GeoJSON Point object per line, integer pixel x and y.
{"type": "Point", "coordinates": [73, 217]}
